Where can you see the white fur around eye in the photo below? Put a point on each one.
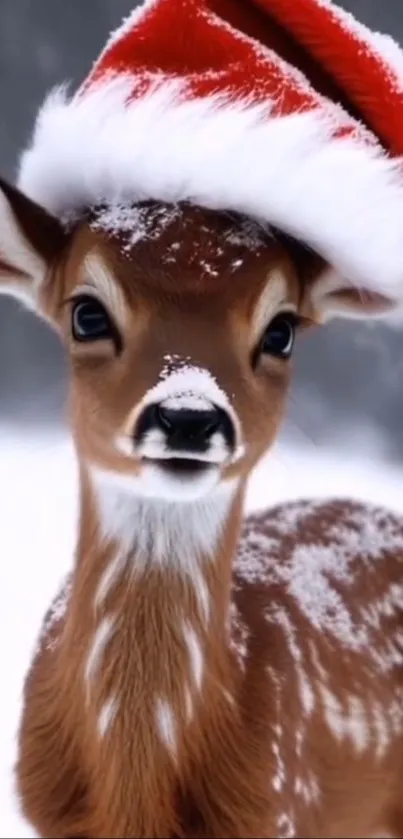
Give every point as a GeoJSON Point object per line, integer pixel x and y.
{"type": "Point", "coordinates": [99, 281]}
{"type": "Point", "coordinates": [273, 299]}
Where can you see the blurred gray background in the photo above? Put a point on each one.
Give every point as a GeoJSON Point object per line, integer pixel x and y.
{"type": "Point", "coordinates": [348, 382]}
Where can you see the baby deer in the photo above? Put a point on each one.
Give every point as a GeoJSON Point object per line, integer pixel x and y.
{"type": "Point", "coordinates": [200, 676]}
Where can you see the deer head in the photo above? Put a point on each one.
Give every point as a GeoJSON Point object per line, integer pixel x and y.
{"type": "Point", "coordinates": [179, 323]}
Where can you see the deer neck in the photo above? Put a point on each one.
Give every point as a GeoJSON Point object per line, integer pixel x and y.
{"type": "Point", "coordinates": [152, 595]}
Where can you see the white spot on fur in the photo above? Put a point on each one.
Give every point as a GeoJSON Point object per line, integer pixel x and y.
{"type": "Point", "coordinates": [280, 775]}
{"type": "Point", "coordinates": [299, 738]}
{"type": "Point", "coordinates": [107, 716]}
{"type": "Point", "coordinates": [228, 696]}
{"type": "Point", "coordinates": [195, 654]}
{"type": "Point", "coordinates": [396, 716]}
{"type": "Point", "coordinates": [381, 729]}
{"type": "Point", "coordinates": [357, 723]}
{"type": "Point", "coordinates": [308, 789]}
{"type": "Point", "coordinates": [101, 639]}
{"type": "Point", "coordinates": [321, 673]}
{"type": "Point", "coordinates": [280, 616]}
{"type": "Point", "coordinates": [387, 656]}
{"type": "Point", "coordinates": [285, 827]}
{"type": "Point", "coordinates": [307, 694]}
{"type": "Point", "coordinates": [239, 635]}
{"type": "Point", "coordinates": [166, 725]}
{"type": "Point", "coordinates": [313, 785]}
{"type": "Point", "coordinates": [351, 723]}
{"type": "Point", "coordinates": [298, 784]}
{"type": "Point", "coordinates": [188, 705]}
{"type": "Point", "coordinates": [110, 576]}
{"type": "Point", "coordinates": [202, 593]}
{"type": "Point", "coordinates": [333, 712]}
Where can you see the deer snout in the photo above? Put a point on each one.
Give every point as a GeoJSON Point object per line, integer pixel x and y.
{"type": "Point", "coordinates": [203, 431]}
{"type": "Point", "coordinates": [191, 429]}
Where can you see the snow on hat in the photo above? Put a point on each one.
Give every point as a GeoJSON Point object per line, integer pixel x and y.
{"type": "Point", "coordinates": [289, 112]}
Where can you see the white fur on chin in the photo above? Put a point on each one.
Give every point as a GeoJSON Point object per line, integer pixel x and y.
{"type": "Point", "coordinates": [161, 528]}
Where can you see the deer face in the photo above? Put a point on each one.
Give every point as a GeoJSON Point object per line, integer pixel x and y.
{"type": "Point", "coordinates": [180, 346]}
{"type": "Point", "coordinates": [180, 325]}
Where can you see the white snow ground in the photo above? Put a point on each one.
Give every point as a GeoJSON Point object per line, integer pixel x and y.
{"type": "Point", "coordinates": [38, 498]}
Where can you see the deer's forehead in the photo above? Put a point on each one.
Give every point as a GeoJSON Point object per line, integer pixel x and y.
{"type": "Point", "coordinates": [182, 257]}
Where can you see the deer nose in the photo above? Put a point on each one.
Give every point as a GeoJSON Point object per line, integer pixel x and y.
{"type": "Point", "coordinates": [189, 429]}
{"type": "Point", "coordinates": [185, 428]}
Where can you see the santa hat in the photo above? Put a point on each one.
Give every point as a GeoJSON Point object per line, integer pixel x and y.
{"type": "Point", "coordinates": [286, 110]}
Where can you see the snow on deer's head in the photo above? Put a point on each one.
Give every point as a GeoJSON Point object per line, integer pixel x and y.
{"type": "Point", "coordinates": [179, 323]}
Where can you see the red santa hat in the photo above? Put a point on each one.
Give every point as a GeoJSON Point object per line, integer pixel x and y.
{"type": "Point", "coordinates": [290, 112]}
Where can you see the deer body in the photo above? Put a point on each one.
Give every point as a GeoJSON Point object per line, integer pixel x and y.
{"type": "Point", "coordinates": [266, 700]}
{"type": "Point", "coordinates": [207, 677]}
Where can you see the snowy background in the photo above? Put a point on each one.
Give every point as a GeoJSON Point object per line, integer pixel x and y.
{"type": "Point", "coordinates": [344, 430]}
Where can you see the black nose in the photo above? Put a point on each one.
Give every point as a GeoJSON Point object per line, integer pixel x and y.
{"type": "Point", "coordinates": [188, 429]}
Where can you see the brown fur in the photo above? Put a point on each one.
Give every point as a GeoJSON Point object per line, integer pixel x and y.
{"type": "Point", "coordinates": [253, 746]}
{"type": "Point", "coordinates": [73, 784]}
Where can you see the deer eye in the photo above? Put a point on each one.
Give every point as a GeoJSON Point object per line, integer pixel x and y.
{"type": "Point", "coordinates": [278, 340]}
{"type": "Point", "coordinates": [90, 321]}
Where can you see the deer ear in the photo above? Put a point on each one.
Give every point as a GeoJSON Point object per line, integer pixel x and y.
{"type": "Point", "coordinates": [330, 296]}
{"type": "Point", "coordinates": [327, 295]}
{"type": "Point", "coordinates": [30, 240]}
